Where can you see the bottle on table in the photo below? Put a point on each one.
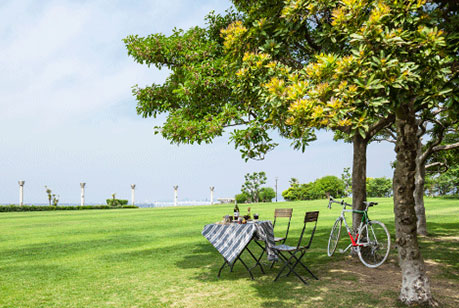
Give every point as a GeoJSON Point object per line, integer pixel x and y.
{"type": "Point", "coordinates": [236, 211]}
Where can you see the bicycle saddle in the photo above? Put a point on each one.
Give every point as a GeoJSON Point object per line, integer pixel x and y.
{"type": "Point", "coordinates": [369, 203]}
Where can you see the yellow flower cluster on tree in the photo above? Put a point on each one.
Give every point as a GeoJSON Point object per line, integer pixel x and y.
{"type": "Point", "coordinates": [295, 10]}
{"type": "Point", "coordinates": [233, 34]}
{"type": "Point", "coordinates": [379, 11]}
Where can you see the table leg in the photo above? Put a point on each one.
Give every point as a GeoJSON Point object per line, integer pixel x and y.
{"type": "Point", "coordinates": [256, 260]}
{"type": "Point", "coordinates": [243, 263]}
{"type": "Point", "coordinates": [221, 268]}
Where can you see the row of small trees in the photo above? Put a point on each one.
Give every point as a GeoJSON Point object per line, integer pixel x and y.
{"type": "Point", "coordinates": [252, 190]}
{"type": "Point", "coordinates": [336, 187]}
{"type": "Point", "coordinates": [445, 184]}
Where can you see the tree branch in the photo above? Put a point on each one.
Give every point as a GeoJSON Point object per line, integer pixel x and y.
{"type": "Point", "coordinates": [445, 147]}
{"type": "Point", "coordinates": [422, 128]}
{"type": "Point", "coordinates": [376, 127]}
{"type": "Point", "coordinates": [435, 164]}
{"type": "Point", "coordinates": [423, 157]}
{"type": "Point", "coordinates": [380, 139]}
{"type": "Point", "coordinates": [311, 42]}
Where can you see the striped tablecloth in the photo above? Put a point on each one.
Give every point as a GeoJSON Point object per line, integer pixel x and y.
{"type": "Point", "coordinates": [232, 238]}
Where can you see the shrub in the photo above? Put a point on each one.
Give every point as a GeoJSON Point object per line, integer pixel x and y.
{"type": "Point", "coordinates": [329, 185]}
{"type": "Point", "coordinates": [116, 202]}
{"type": "Point", "coordinates": [241, 198]}
{"type": "Point", "coordinates": [267, 194]}
{"type": "Point", "coordinates": [450, 197]}
{"type": "Point", "coordinates": [320, 188]}
{"type": "Point", "coordinates": [379, 187]}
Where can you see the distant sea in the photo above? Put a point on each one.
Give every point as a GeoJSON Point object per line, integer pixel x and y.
{"type": "Point", "coordinates": [143, 205]}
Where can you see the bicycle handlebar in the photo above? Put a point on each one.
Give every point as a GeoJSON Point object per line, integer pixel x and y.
{"type": "Point", "coordinates": [331, 200]}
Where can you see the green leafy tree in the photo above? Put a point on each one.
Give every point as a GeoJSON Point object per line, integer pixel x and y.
{"type": "Point", "coordinates": [330, 185]}
{"type": "Point", "coordinates": [203, 95]}
{"type": "Point", "coordinates": [443, 143]}
{"type": "Point", "coordinates": [391, 64]}
{"type": "Point", "coordinates": [319, 189]}
{"type": "Point", "coordinates": [436, 136]}
{"type": "Point", "coordinates": [252, 185]}
{"type": "Point", "coordinates": [241, 198]}
{"type": "Point", "coordinates": [218, 74]}
{"type": "Point", "coordinates": [379, 187]}
{"type": "Point", "coordinates": [447, 182]}
{"type": "Point", "coordinates": [443, 164]}
{"type": "Point", "coordinates": [267, 194]}
{"type": "Point", "coordinates": [347, 180]}
{"type": "Point", "coordinates": [302, 28]}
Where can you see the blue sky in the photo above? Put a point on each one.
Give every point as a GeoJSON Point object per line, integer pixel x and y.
{"type": "Point", "coordinates": [67, 114]}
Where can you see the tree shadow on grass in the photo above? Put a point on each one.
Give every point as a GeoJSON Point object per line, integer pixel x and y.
{"type": "Point", "coordinates": [286, 292]}
{"type": "Point", "coordinates": [442, 246]}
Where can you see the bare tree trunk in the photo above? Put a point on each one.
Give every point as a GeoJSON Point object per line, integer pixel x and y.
{"type": "Point", "coordinates": [419, 181]}
{"type": "Point", "coordinates": [359, 176]}
{"type": "Point", "coordinates": [415, 283]}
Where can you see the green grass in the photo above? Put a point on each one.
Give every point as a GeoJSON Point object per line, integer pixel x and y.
{"type": "Point", "coordinates": [158, 258]}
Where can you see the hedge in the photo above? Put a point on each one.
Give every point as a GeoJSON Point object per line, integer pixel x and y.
{"type": "Point", "coordinates": [449, 196]}
{"type": "Point", "coordinates": [117, 202]}
{"type": "Point", "coordinates": [31, 208]}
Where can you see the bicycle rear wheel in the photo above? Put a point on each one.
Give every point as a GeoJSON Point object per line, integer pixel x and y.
{"type": "Point", "coordinates": [374, 244]}
{"type": "Point", "coordinates": [334, 237]}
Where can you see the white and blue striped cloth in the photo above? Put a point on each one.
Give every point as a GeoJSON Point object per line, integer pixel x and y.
{"type": "Point", "coordinates": [232, 238]}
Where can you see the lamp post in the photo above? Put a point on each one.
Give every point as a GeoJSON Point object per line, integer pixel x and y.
{"type": "Point", "coordinates": [212, 194]}
{"type": "Point", "coordinates": [21, 192]}
{"type": "Point", "coordinates": [133, 193]}
{"type": "Point", "coordinates": [82, 185]}
{"type": "Point", "coordinates": [276, 186]}
{"type": "Point", "coordinates": [175, 194]}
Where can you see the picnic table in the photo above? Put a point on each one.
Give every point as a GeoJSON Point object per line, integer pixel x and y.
{"type": "Point", "coordinates": [232, 239]}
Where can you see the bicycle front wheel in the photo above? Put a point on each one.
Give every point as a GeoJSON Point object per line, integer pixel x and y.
{"type": "Point", "coordinates": [334, 237]}
{"type": "Point", "coordinates": [373, 244]}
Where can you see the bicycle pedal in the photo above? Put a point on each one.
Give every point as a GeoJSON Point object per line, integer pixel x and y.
{"type": "Point", "coordinates": [341, 250]}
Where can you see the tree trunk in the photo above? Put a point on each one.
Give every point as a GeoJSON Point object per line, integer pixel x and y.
{"type": "Point", "coordinates": [419, 180]}
{"type": "Point", "coordinates": [359, 177]}
{"type": "Point", "coordinates": [415, 283]}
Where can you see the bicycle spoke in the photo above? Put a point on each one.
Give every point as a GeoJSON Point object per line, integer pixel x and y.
{"type": "Point", "coordinates": [376, 244]}
{"type": "Point", "coordinates": [334, 237]}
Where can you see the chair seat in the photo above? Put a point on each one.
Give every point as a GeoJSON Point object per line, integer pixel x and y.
{"type": "Point", "coordinates": [278, 239]}
{"type": "Point", "coordinates": [284, 247]}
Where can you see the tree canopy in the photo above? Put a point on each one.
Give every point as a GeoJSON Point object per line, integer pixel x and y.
{"type": "Point", "coordinates": [203, 94]}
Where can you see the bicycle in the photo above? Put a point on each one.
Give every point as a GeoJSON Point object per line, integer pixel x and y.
{"type": "Point", "coordinates": [372, 241]}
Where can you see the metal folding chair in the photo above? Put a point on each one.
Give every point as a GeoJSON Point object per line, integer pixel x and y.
{"type": "Point", "coordinates": [283, 213]}
{"type": "Point", "coordinates": [296, 253]}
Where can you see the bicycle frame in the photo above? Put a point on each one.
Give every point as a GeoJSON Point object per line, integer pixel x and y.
{"type": "Point", "coordinates": [365, 241]}
{"type": "Point", "coordinates": [363, 222]}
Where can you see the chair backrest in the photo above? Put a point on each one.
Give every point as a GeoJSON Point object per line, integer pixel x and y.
{"type": "Point", "coordinates": [283, 213]}
{"type": "Point", "coordinates": [308, 217]}
{"type": "Point", "coordinates": [287, 213]}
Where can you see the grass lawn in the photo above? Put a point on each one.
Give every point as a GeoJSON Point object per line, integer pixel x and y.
{"type": "Point", "coordinates": [158, 258]}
